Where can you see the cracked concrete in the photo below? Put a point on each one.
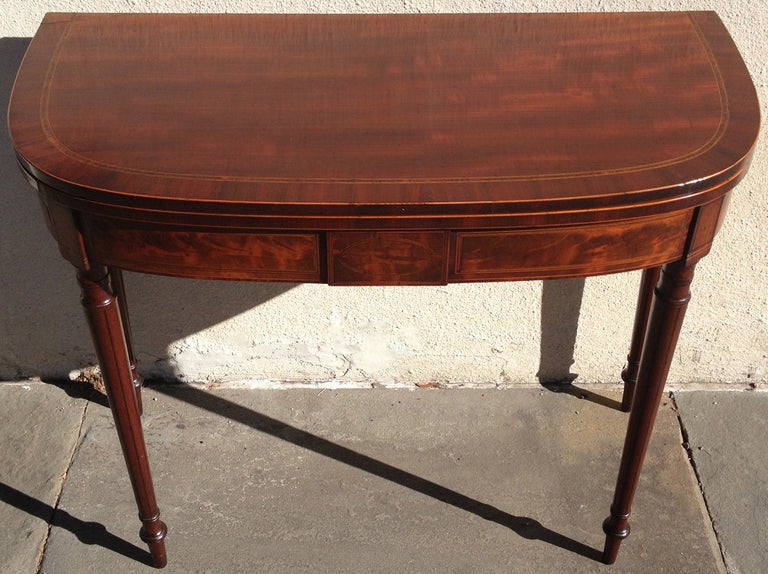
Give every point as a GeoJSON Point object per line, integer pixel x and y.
{"type": "Point", "coordinates": [725, 435]}
{"type": "Point", "coordinates": [38, 434]}
{"type": "Point", "coordinates": [377, 480]}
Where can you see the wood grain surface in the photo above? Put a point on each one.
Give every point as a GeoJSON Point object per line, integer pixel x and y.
{"type": "Point", "coordinates": [384, 115]}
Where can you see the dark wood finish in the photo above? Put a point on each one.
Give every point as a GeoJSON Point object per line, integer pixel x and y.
{"type": "Point", "coordinates": [568, 251]}
{"type": "Point", "coordinates": [709, 218]}
{"type": "Point", "coordinates": [118, 288]}
{"type": "Point", "coordinates": [390, 149]}
{"type": "Point", "coordinates": [384, 121]}
{"type": "Point", "coordinates": [387, 257]}
{"type": "Point", "coordinates": [670, 301]}
{"type": "Point", "coordinates": [223, 255]}
{"type": "Point", "coordinates": [648, 282]}
{"type": "Point", "coordinates": [103, 314]}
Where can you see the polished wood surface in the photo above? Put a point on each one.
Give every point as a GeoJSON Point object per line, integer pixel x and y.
{"type": "Point", "coordinates": [376, 116]}
{"type": "Point", "coordinates": [104, 319]}
{"type": "Point", "coordinates": [385, 150]}
{"type": "Point", "coordinates": [629, 374]}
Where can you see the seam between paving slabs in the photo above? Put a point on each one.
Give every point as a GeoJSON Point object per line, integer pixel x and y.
{"type": "Point", "coordinates": [689, 453]}
{"type": "Point", "coordinates": [52, 520]}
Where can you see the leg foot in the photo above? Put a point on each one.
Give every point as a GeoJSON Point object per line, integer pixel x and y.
{"type": "Point", "coordinates": [616, 528]}
{"type": "Point", "coordinates": [153, 534]}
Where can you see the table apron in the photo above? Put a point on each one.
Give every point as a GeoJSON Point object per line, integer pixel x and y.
{"type": "Point", "coordinates": [385, 257]}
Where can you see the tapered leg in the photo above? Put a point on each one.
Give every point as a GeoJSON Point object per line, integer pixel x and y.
{"type": "Point", "coordinates": [629, 374]}
{"type": "Point", "coordinates": [667, 311]}
{"type": "Point", "coordinates": [103, 314]}
{"type": "Point", "coordinates": [119, 289]}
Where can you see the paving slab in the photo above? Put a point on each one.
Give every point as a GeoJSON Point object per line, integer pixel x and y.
{"type": "Point", "coordinates": [39, 426]}
{"type": "Point", "coordinates": [380, 481]}
{"type": "Point", "coordinates": [726, 436]}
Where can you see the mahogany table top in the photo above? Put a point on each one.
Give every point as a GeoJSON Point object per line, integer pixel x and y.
{"type": "Point", "coordinates": [386, 116]}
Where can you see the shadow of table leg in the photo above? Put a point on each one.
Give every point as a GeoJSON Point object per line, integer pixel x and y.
{"type": "Point", "coordinates": [560, 310]}
{"type": "Point", "coordinates": [86, 532]}
{"type": "Point", "coordinates": [523, 526]}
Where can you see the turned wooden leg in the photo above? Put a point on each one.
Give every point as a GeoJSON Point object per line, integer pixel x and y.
{"type": "Point", "coordinates": [667, 311]}
{"type": "Point", "coordinates": [648, 281]}
{"type": "Point", "coordinates": [119, 290]}
{"type": "Point", "coordinates": [103, 314]}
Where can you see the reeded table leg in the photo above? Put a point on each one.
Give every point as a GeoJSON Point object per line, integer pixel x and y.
{"type": "Point", "coordinates": [667, 311]}
{"type": "Point", "coordinates": [644, 298]}
{"type": "Point", "coordinates": [119, 289]}
{"type": "Point", "coordinates": [103, 314]}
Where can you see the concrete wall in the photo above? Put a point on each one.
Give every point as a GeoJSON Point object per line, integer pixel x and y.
{"type": "Point", "coordinates": [494, 334]}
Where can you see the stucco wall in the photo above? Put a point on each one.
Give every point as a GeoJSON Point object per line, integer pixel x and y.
{"type": "Point", "coordinates": [495, 334]}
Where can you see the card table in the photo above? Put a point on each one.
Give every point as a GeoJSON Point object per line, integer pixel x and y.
{"type": "Point", "coordinates": [399, 149]}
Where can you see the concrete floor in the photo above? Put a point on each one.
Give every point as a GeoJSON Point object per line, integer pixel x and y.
{"type": "Point", "coordinates": [380, 481]}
